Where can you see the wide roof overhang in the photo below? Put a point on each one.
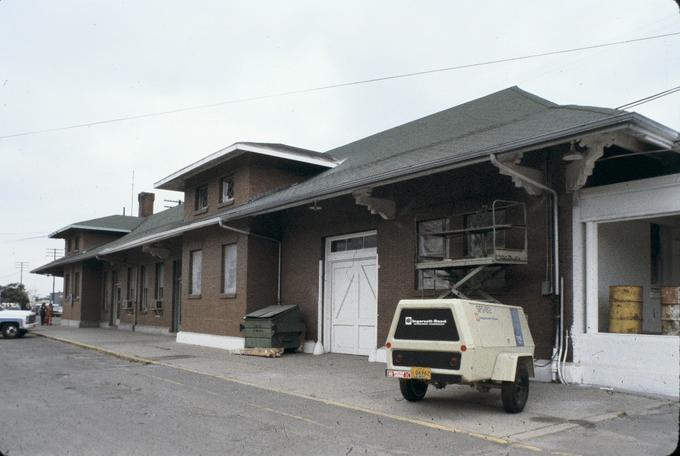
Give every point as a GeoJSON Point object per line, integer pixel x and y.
{"type": "Point", "coordinates": [176, 181]}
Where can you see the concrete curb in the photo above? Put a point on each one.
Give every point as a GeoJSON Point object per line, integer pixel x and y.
{"type": "Point", "coordinates": [133, 359]}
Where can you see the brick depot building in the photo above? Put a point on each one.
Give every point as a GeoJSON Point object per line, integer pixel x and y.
{"type": "Point", "coordinates": [543, 205]}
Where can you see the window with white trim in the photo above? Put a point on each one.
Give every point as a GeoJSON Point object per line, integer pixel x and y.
{"type": "Point", "coordinates": [196, 268]}
{"type": "Point", "coordinates": [229, 269]}
{"type": "Point", "coordinates": [201, 198]}
{"type": "Point", "coordinates": [227, 190]}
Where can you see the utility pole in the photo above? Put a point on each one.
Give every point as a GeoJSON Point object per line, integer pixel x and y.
{"type": "Point", "coordinates": [21, 265]}
{"type": "Point", "coordinates": [132, 194]}
{"type": "Point", "coordinates": [52, 253]}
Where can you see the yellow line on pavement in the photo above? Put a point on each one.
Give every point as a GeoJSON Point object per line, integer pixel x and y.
{"type": "Point", "coordinates": [405, 419]}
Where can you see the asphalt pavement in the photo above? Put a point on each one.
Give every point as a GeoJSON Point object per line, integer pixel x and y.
{"type": "Point", "coordinates": [558, 419]}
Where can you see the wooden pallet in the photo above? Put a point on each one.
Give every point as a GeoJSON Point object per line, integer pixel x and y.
{"type": "Point", "coordinates": [263, 352]}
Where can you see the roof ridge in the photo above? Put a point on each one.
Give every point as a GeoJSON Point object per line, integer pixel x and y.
{"type": "Point", "coordinates": [514, 89]}
{"type": "Point", "coordinates": [595, 109]}
{"type": "Point", "coordinates": [532, 97]}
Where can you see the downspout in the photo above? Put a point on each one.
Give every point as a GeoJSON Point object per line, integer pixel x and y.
{"type": "Point", "coordinates": [556, 283]}
{"type": "Point", "coordinates": [556, 240]}
{"type": "Point", "coordinates": [278, 242]}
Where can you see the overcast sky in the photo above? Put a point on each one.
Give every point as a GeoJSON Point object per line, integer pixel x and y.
{"type": "Point", "coordinates": [72, 62]}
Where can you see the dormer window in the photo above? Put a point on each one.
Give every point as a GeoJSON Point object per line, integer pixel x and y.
{"type": "Point", "coordinates": [201, 198]}
{"type": "Point", "coordinates": [227, 190]}
{"type": "Point", "coordinates": [76, 243]}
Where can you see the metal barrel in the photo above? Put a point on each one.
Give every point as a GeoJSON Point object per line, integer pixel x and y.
{"type": "Point", "coordinates": [670, 311]}
{"type": "Point", "coordinates": [625, 309]}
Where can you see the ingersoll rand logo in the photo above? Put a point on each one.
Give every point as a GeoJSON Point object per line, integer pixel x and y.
{"type": "Point", "coordinates": [410, 321]}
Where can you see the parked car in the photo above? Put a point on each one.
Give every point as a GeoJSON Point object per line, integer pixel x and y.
{"type": "Point", "coordinates": [10, 306]}
{"type": "Point", "coordinates": [57, 310]}
{"type": "Point", "coordinates": [16, 323]}
{"type": "Point", "coordinates": [457, 341]}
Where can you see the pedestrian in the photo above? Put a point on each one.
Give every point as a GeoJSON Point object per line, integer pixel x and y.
{"type": "Point", "coordinates": [50, 313]}
{"type": "Point", "coordinates": [43, 314]}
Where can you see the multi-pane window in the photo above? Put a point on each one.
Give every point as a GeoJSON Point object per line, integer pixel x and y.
{"type": "Point", "coordinates": [76, 284]}
{"type": "Point", "coordinates": [226, 189]}
{"type": "Point", "coordinates": [229, 269]}
{"type": "Point", "coordinates": [67, 287]}
{"type": "Point", "coordinates": [130, 287]}
{"type": "Point", "coordinates": [201, 198]}
{"type": "Point", "coordinates": [431, 246]}
{"type": "Point", "coordinates": [159, 285]}
{"type": "Point", "coordinates": [354, 243]}
{"type": "Point", "coordinates": [196, 266]}
{"type": "Point", "coordinates": [144, 279]}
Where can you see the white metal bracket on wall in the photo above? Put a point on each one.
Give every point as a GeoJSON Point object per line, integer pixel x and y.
{"type": "Point", "coordinates": [512, 161]}
{"type": "Point", "coordinates": [387, 209]}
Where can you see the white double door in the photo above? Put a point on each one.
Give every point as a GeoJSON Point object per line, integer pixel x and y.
{"type": "Point", "coordinates": [351, 297]}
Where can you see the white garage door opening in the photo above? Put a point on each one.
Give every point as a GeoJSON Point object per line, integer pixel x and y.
{"type": "Point", "coordinates": [351, 294]}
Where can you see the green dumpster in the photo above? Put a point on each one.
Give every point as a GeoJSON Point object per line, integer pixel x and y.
{"type": "Point", "coordinates": [274, 327]}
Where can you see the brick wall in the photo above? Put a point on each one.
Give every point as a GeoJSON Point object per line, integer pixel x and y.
{"type": "Point", "coordinates": [252, 175]}
{"type": "Point", "coordinates": [135, 259]}
{"type": "Point", "coordinates": [213, 312]}
{"type": "Point", "coordinates": [304, 231]}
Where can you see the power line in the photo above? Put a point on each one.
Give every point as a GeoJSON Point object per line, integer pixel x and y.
{"type": "Point", "coordinates": [650, 98]}
{"type": "Point", "coordinates": [335, 86]}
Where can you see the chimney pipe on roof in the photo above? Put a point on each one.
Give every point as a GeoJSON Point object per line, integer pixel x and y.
{"type": "Point", "coordinates": [145, 201]}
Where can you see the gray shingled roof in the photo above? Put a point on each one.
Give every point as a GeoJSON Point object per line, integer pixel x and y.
{"type": "Point", "coordinates": [156, 223]}
{"type": "Point", "coordinates": [111, 223]}
{"type": "Point", "coordinates": [501, 122]}
{"type": "Point", "coordinates": [56, 265]}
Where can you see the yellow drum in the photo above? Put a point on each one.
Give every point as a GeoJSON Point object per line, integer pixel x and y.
{"type": "Point", "coordinates": [625, 309]}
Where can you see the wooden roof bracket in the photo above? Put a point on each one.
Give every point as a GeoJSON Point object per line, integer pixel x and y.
{"type": "Point", "coordinates": [156, 251]}
{"type": "Point", "coordinates": [386, 208]}
{"type": "Point", "coordinates": [578, 172]}
{"type": "Point", "coordinates": [514, 170]}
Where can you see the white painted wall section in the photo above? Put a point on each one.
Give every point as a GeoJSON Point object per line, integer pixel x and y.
{"type": "Point", "coordinates": [210, 340]}
{"type": "Point", "coordinates": [630, 362]}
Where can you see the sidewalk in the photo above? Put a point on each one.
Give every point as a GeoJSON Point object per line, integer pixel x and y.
{"type": "Point", "coordinates": [352, 382]}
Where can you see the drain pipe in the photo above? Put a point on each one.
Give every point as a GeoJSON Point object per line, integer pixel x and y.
{"type": "Point", "coordinates": [278, 242]}
{"type": "Point", "coordinates": [556, 239]}
{"type": "Point", "coordinates": [556, 285]}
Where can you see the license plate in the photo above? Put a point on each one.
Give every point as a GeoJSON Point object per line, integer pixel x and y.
{"type": "Point", "coordinates": [421, 373]}
{"type": "Point", "coordinates": [397, 374]}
